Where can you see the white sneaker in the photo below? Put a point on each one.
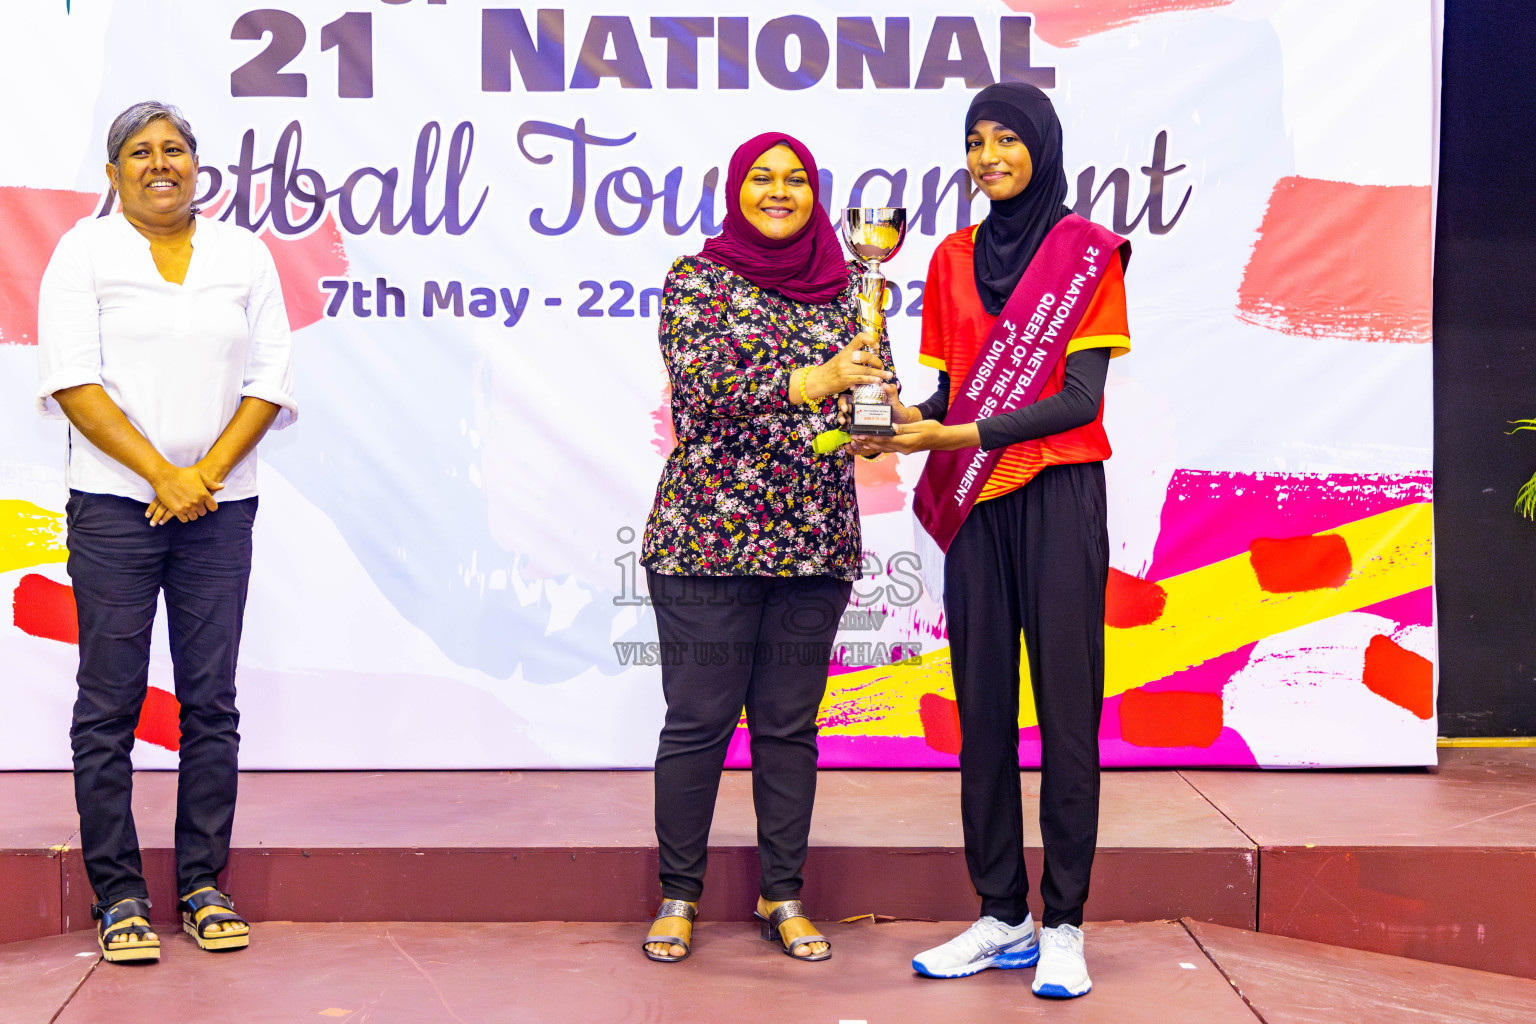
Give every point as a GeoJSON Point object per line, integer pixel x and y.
{"type": "Point", "coordinates": [1062, 973]}
{"type": "Point", "coordinates": [987, 943]}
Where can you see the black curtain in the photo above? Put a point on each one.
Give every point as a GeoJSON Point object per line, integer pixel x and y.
{"type": "Point", "coordinates": [1485, 369]}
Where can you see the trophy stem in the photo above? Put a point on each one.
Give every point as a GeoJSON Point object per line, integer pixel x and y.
{"type": "Point", "coordinates": [872, 300]}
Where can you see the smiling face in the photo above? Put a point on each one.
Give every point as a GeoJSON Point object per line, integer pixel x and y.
{"type": "Point", "coordinates": [998, 159]}
{"type": "Point", "coordinates": [776, 198]}
{"type": "Point", "coordinates": [156, 176]}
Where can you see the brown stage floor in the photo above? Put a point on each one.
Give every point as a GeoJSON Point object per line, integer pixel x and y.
{"type": "Point", "coordinates": [420, 973]}
{"type": "Point", "coordinates": [1438, 864]}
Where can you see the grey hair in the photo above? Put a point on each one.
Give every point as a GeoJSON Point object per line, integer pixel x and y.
{"type": "Point", "coordinates": [140, 116]}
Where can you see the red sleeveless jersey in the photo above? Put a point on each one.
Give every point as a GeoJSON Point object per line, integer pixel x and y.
{"type": "Point", "coordinates": [955, 326]}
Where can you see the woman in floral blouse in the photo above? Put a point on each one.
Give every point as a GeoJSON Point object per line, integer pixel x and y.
{"type": "Point", "coordinates": [752, 546]}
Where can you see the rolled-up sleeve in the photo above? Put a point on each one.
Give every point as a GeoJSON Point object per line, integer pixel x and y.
{"type": "Point", "coordinates": [269, 359]}
{"type": "Point", "coordinates": [68, 325]}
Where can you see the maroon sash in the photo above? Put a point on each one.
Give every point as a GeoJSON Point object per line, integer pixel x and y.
{"type": "Point", "coordinates": [1029, 337]}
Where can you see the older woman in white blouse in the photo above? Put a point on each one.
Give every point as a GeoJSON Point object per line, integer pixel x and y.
{"type": "Point", "coordinates": [163, 339]}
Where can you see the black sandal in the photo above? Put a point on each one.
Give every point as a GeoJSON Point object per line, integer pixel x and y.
{"type": "Point", "coordinates": [196, 924]}
{"type": "Point", "coordinates": [783, 912]}
{"type": "Point", "coordinates": [671, 908]}
{"type": "Point", "coordinates": [125, 917]}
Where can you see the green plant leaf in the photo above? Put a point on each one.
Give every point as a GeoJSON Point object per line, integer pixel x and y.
{"type": "Point", "coordinates": [1525, 500]}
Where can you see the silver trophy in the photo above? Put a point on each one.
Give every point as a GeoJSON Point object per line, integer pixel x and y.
{"type": "Point", "coordinates": [872, 234]}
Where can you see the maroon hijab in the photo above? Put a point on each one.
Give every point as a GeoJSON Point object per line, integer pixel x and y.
{"type": "Point", "coordinates": [807, 266]}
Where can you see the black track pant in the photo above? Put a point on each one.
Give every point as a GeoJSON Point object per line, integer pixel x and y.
{"type": "Point", "coordinates": [1036, 560]}
{"type": "Point", "coordinates": [118, 565]}
{"type": "Point", "coordinates": [729, 642]}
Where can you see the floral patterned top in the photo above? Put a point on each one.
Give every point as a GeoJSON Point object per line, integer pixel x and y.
{"type": "Point", "coordinates": [744, 493]}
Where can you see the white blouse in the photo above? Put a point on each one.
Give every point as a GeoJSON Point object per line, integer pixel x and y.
{"type": "Point", "coordinates": [177, 359]}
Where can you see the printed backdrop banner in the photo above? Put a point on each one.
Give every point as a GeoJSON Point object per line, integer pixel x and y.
{"type": "Point", "coordinates": [472, 209]}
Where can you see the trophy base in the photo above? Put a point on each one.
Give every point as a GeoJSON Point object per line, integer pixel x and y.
{"type": "Point", "coordinates": [870, 417]}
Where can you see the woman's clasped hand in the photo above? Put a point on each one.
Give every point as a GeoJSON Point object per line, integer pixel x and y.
{"type": "Point", "coordinates": [856, 363]}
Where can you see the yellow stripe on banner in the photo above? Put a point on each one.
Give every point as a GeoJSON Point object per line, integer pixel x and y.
{"type": "Point", "coordinates": [883, 701]}
{"type": "Point", "coordinates": [29, 535]}
{"type": "Point", "coordinates": [1210, 611]}
{"type": "Point", "coordinates": [1219, 607]}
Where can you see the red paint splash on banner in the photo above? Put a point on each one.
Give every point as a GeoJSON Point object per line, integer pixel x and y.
{"type": "Point", "coordinates": [43, 608]}
{"type": "Point", "coordinates": [40, 607]}
{"type": "Point", "coordinates": [1229, 748]}
{"type": "Point", "coordinates": [1211, 515]}
{"type": "Point", "coordinates": [1064, 22]}
{"type": "Point", "coordinates": [879, 486]}
{"type": "Point", "coordinates": [941, 722]}
{"type": "Point", "coordinates": [1290, 565]}
{"type": "Point", "coordinates": [160, 719]}
{"type": "Point", "coordinates": [34, 219]}
{"type": "Point", "coordinates": [1132, 601]}
{"type": "Point", "coordinates": [301, 263]}
{"type": "Point", "coordinates": [1401, 676]}
{"type": "Point", "coordinates": [1170, 718]}
{"type": "Point", "coordinates": [1337, 260]}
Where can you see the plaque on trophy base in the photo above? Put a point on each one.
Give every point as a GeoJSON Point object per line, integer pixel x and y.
{"type": "Point", "coordinates": [871, 412]}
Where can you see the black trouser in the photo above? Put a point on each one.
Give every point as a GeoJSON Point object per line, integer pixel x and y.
{"type": "Point", "coordinates": [119, 564]}
{"type": "Point", "coordinates": [1036, 560]}
{"type": "Point", "coordinates": [728, 642]}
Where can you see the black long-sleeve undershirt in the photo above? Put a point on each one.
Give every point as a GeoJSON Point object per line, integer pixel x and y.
{"type": "Point", "coordinates": [1075, 405]}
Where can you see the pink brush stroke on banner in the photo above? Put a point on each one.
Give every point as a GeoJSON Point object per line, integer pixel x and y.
{"type": "Point", "coordinates": [913, 752]}
{"type": "Point", "coordinates": [1206, 517]}
{"type": "Point", "coordinates": [35, 219]}
{"type": "Point", "coordinates": [1064, 23]}
{"type": "Point", "coordinates": [1342, 261]}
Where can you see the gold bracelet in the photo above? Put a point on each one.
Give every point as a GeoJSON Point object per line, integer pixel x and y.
{"type": "Point", "coordinates": [878, 458]}
{"type": "Point", "coordinates": [816, 405]}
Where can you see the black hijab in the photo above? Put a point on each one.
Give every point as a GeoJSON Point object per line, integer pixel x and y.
{"type": "Point", "coordinates": [1013, 230]}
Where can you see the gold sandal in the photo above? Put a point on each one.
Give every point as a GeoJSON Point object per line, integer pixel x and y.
{"type": "Point", "coordinates": [125, 917]}
{"type": "Point", "coordinates": [206, 907]}
{"type": "Point", "coordinates": [783, 912]}
{"type": "Point", "coordinates": [671, 908]}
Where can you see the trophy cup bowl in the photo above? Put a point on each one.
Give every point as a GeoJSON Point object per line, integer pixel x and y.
{"type": "Point", "coordinates": [873, 234]}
